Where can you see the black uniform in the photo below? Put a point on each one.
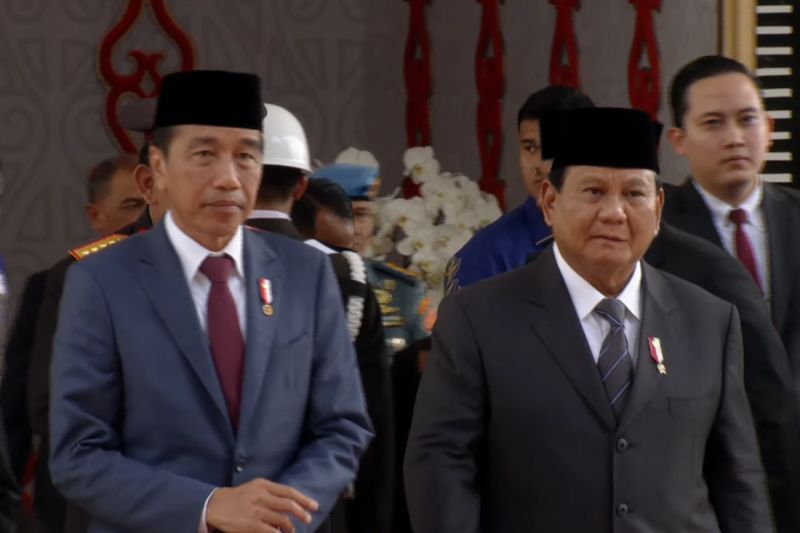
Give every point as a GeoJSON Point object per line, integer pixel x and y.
{"type": "Point", "coordinates": [370, 510]}
{"type": "Point", "coordinates": [49, 506]}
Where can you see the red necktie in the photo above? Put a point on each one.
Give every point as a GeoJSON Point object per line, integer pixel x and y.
{"type": "Point", "coordinates": [744, 250]}
{"type": "Point", "coordinates": [227, 344]}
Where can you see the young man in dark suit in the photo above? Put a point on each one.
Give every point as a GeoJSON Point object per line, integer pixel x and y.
{"type": "Point", "coordinates": [588, 391]}
{"type": "Point", "coordinates": [721, 127]}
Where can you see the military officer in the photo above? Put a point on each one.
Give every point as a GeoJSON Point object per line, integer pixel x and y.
{"type": "Point", "coordinates": [49, 505]}
{"type": "Point", "coordinates": [407, 314]}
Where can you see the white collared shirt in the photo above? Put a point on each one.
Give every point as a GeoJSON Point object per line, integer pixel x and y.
{"type": "Point", "coordinates": [191, 255]}
{"type": "Point", "coordinates": [269, 213]}
{"type": "Point", "coordinates": [585, 298]}
{"type": "Point", "coordinates": [755, 227]}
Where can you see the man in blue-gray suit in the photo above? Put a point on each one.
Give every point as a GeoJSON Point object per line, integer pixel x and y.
{"type": "Point", "coordinates": [203, 378]}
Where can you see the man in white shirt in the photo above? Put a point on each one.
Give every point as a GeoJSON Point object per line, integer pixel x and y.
{"type": "Point", "coordinates": [203, 378]}
{"type": "Point", "coordinates": [588, 391]}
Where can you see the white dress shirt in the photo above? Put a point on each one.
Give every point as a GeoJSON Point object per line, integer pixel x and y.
{"type": "Point", "coordinates": [191, 255]}
{"type": "Point", "coordinates": [269, 213]}
{"type": "Point", "coordinates": [585, 298]}
{"type": "Point", "coordinates": [755, 227]}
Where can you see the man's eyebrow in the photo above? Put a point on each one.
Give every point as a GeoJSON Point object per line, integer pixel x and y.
{"type": "Point", "coordinates": [252, 143]}
{"type": "Point", "coordinates": [199, 141]}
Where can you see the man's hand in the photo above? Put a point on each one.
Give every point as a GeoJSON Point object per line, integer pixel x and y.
{"type": "Point", "coordinates": [258, 506]}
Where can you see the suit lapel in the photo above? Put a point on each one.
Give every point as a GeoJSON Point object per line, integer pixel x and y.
{"type": "Point", "coordinates": [778, 229]}
{"type": "Point", "coordinates": [690, 213]}
{"type": "Point", "coordinates": [160, 274]}
{"type": "Point", "coordinates": [558, 327]}
{"type": "Point", "coordinates": [657, 305]}
{"type": "Point", "coordinates": [260, 264]}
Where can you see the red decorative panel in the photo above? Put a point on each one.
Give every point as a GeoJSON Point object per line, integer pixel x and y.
{"type": "Point", "coordinates": [147, 62]}
{"type": "Point", "coordinates": [644, 81]}
{"type": "Point", "coordinates": [417, 76]}
{"type": "Point", "coordinates": [564, 62]}
{"type": "Point", "coordinates": [490, 78]}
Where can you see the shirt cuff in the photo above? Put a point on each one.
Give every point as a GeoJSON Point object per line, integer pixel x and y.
{"type": "Point", "coordinates": [203, 526]}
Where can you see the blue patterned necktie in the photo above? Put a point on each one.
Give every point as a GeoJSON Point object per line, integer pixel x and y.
{"type": "Point", "coordinates": [614, 363]}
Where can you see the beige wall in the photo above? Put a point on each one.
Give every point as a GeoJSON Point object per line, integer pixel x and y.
{"type": "Point", "coordinates": [336, 63]}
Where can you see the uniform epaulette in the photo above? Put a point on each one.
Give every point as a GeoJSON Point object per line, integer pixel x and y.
{"type": "Point", "coordinates": [397, 271]}
{"type": "Point", "coordinates": [82, 252]}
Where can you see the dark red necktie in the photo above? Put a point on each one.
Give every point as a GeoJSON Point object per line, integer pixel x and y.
{"type": "Point", "coordinates": [227, 344]}
{"type": "Point", "coordinates": [744, 249]}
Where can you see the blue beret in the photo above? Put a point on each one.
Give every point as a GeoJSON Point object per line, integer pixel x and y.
{"type": "Point", "coordinates": [358, 181]}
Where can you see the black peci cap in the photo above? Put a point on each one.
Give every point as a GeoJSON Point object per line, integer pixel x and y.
{"type": "Point", "coordinates": [210, 98]}
{"type": "Point", "coordinates": [601, 137]}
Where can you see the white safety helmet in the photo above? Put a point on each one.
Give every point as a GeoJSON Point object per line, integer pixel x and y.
{"type": "Point", "coordinates": [284, 140]}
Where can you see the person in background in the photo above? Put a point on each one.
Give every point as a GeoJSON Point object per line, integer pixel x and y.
{"type": "Point", "coordinates": [324, 213]}
{"type": "Point", "coordinates": [9, 479]}
{"type": "Point", "coordinates": [506, 243]}
{"type": "Point", "coordinates": [52, 513]}
{"type": "Point", "coordinates": [405, 309]}
{"type": "Point", "coordinates": [114, 198]}
{"type": "Point", "coordinates": [407, 314]}
{"type": "Point", "coordinates": [366, 506]}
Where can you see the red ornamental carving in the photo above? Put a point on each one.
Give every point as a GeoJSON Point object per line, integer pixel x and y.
{"type": "Point", "coordinates": [644, 82]}
{"type": "Point", "coordinates": [417, 76]}
{"type": "Point", "coordinates": [490, 78]}
{"type": "Point", "coordinates": [564, 62]}
{"type": "Point", "coordinates": [147, 63]}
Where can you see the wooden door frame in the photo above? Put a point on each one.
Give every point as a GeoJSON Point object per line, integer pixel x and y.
{"type": "Point", "coordinates": [737, 19]}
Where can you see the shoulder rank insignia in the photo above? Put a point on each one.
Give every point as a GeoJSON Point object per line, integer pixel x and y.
{"type": "Point", "coordinates": [398, 272]}
{"type": "Point", "coordinates": [451, 282]}
{"type": "Point", "coordinates": [82, 252]}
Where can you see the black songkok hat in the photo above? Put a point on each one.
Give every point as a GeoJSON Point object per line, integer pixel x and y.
{"type": "Point", "coordinates": [601, 137]}
{"type": "Point", "coordinates": [210, 98]}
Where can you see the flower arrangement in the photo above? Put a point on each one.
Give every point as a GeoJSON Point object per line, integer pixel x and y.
{"type": "Point", "coordinates": [422, 233]}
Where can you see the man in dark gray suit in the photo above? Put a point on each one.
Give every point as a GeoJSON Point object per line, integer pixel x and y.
{"type": "Point", "coordinates": [721, 127]}
{"type": "Point", "coordinates": [588, 391]}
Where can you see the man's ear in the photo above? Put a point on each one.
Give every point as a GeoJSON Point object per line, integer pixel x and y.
{"type": "Point", "coordinates": [300, 189]}
{"type": "Point", "coordinates": [145, 181]}
{"type": "Point", "coordinates": [659, 207]}
{"type": "Point", "coordinates": [158, 164]}
{"type": "Point", "coordinates": [548, 195]}
{"type": "Point", "coordinates": [770, 129]}
{"type": "Point", "coordinates": [95, 216]}
{"type": "Point", "coordinates": [677, 138]}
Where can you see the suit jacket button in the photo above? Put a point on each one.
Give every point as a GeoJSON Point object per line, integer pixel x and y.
{"type": "Point", "coordinates": [622, 510]}
{"type": "Point", "coordinates": [622, 444]}
{"type": "Point", "coordinates": [238, 468]}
